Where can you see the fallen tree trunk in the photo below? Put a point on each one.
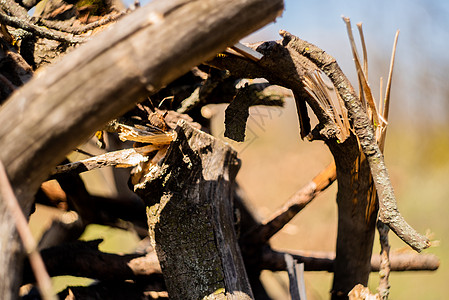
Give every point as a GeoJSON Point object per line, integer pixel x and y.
{"type": "Point", "coordinates": [64, 104]}
{"type": "Point", "coordinates": [191, 218]}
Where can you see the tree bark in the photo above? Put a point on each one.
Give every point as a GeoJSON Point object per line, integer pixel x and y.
{"type": "Point", "coordinates": [356, 228]}
{"type": "Point", "coordinates": [101, 80]}
{"type": "Point", "coordinates": [191, 218]}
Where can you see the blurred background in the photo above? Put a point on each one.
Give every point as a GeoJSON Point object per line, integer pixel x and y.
{"type": "Point", "coordinates": [276, 162]}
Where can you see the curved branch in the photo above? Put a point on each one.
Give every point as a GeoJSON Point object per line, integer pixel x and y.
{"type": "Point", "coordinates": [388, 212]}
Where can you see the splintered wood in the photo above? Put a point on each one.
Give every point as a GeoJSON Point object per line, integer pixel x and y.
{"type": "Point", "coordinates": [143, 134]}
{"type": "Point", "coordinates": [143, 156]}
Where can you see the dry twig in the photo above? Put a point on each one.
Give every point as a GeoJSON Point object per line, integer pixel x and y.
{"type": "Point", "coordinates": [83, 259]}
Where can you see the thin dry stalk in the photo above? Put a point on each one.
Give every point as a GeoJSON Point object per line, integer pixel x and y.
{"type": "Point", "coordinates": [362, 76]}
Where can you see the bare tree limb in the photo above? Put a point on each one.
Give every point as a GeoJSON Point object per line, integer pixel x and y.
{"type": "Point", "coordinates": [15, 9]}
{"type": "Point", "coordinates": [194, 183]}
{"type": "Point", "coordinates": [65, 104]}
{"type": "Point", "coordinates": [39, 31]}
{"type": "Point", "coordinates": [37, 264]}
{"type": "Point", "coordinates": [388, 213]}
{"type": "Point", "coordinates": [324, 261]}
{"type": "Point", "coordinates": [60, 26]}
{"type": "Point", "coordinates": [121, 158]}
{"type": "Point", "coordinates": [385, 264]}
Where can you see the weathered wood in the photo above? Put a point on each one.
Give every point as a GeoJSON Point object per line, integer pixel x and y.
{"type": "Point", "coordinates": [104, 78]}
{"type": "Point", "coordinates": [355, 236]}
{"type": "Point", "coordinates": [191, 219]}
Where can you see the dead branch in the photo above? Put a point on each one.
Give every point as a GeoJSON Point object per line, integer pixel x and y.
{"type": "Point", "coordinates": [128, 73]}
{"type": "Point", "coordinates": [385, 264]}
{"type": "Point", "coordinates": [15, 9]}
{"type": "Point", "coordinates": [71, 28]}
{"type": "Point", "coordinates": [83, 259]}
{"type": "Point", "coordinates": [36, 262]}
{"type": "Point", "coordinates": [389, 213]}
{"type": "Point", "coordinates": [324, 261]}
{"type": "Point", "coordinates": [355, 235]}
{"type": "Point", "coordinates": [39, 31]}
{"type": "Point", "coordinates": [121, 158]}
{"type": "Point", "coordinates": [194, 183]}
{"type": "Point", "coordinates": [116, 291]}
{"type": "Point", "coordinates": [102, 210]}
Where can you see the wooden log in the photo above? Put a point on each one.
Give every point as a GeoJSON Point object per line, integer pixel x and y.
{"type": "Point", "coordinates": [58, 109]}
{"type": "Point", "coordinates": [355, 231]}
{"type": "Point", "coordinates": [191, 219]}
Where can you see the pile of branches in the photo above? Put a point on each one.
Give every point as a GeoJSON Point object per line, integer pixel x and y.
{"type": "Point", "coordinates": [140, 135]}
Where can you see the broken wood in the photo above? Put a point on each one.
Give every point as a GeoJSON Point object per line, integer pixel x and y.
{"type": "Point", "coordinates": [121, 158]}
{"type": "Point", "coordinates": [356, 234]}
{"type": "Point", "coordinates": [388, 211]}
{"type": "Point", "coordinates": [263, 232]}
{"type": "Point", "coordinates": [191, 218]}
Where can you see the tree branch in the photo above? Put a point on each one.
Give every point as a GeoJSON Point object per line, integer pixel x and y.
{"type": "Point", "coordinates": [263, 232]}
{"type": "Point", "coordinates": [61, 26]}
{"type": "Point", "coordinates": [385, 264]}
{"type": "Point", "coordinates": [37, 264]}
{"type": "Point", "coordinates": [324, 261]}
{"type": "Point", "coordinates": [39, 31]}
{"type": "Point", "coordinates": [121, 158]}
{"type": "Point", "coordinates": [83, 259]}
{"type": "Point", "coordinates": [388, 213]}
